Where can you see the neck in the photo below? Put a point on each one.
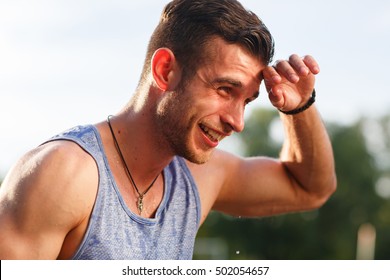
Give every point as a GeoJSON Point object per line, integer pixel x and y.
{"type": "Point", "coordinates": [144, 152]}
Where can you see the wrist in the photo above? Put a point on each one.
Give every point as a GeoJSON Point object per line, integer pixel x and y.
{"type": "Point", "coordinates": [310, 102]}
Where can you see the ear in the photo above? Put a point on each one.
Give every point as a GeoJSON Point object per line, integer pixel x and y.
{"type": "Point", "coordinates": [164, 69]}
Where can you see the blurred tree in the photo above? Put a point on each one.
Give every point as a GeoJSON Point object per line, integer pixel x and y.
{"type": "Point", "coordinates": [327, 233]}
{"type": "Point", "coordinates": [378, 140]}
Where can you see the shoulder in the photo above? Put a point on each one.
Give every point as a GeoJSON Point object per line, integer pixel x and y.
{"type": "Point", "coordinates": [56, 170]}
{"type": "Point", "coordinates": [49, 192]}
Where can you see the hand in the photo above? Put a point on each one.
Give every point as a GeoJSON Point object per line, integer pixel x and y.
{"type": "Point", "coordinates": [290, 82]}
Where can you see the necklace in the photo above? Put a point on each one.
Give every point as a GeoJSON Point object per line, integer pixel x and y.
{"type": "Point", "coordinates": [140, 203]}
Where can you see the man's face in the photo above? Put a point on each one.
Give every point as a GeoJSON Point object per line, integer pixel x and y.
{"type": "Point", "coordinates": [194, 119]}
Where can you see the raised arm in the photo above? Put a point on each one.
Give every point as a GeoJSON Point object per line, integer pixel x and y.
{"type": "Point", "coordinates": [307, 152]}
{"type": "Point", "coordinates": [42, 200]}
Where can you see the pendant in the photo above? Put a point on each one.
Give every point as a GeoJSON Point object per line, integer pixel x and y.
{"type": "Point", "coordinates": [140, 204]}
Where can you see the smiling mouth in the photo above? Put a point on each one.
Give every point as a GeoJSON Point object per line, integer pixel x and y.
{"type": "Point", "coordinates": [211, 134]}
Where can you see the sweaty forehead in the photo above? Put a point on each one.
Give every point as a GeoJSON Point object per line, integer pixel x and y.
{"type": "Point", "coordinates": [218, 50]}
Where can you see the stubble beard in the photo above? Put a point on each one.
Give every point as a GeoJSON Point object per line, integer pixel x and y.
{"type": "Point", "coordinates": [175, 121]}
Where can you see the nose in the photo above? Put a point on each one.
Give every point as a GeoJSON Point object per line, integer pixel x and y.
{"type": "Point", "coordinates": [234, 117]}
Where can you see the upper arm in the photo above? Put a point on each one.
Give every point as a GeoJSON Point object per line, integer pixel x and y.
{"type": "Point", "coordinates": [41, 201]}
{"type": "Point", "coordinates": [258, 186]}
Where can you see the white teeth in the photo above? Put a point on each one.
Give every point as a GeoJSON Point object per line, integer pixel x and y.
{"type": "Point", "coordinates": [211, 133]}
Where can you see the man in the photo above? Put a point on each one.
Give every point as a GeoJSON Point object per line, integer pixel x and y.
{"type": "Point", "coordinates": [138, 185]}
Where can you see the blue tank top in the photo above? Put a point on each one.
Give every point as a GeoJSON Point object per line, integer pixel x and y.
{"type": "Point", "coordinates": [115, 232]}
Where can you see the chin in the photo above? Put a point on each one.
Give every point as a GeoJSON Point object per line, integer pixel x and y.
{"type": "Point", "coordinates": [191, 150]}
{"type": "Point", "coordinates": [198, 157]}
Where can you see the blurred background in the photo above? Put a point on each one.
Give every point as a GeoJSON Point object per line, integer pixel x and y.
{"type": "Point", "coordinates": [65, 63]}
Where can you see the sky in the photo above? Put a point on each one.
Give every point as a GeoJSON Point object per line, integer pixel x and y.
{"type": "Point", "coordinates": [67, 62]}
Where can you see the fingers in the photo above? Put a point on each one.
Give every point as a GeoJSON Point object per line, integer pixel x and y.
{"type": "Point", "coordinates": [290, 82]}
{"type": "Point", "coordinates": [272, 80]}
{"type": "Point", "coordinates": [271, 75]}
{"type": "Point", "coordinates": [297, 67]}
{"type": "Point", "coordinates": [289, 69]}
{"type": "Point", "coordinates": [312, 64]}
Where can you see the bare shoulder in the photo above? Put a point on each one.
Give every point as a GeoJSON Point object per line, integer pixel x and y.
{"type": "Point", "coordinates": [47, 194]}
{"type": "Point", "coordinates": [52, 169]}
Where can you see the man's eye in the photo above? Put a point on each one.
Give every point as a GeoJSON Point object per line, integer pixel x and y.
{"type": "Point", "coordinates": [224, 90]}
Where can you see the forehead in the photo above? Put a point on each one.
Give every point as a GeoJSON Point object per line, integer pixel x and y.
{"type": "Point", "coordinates": [232, 60]}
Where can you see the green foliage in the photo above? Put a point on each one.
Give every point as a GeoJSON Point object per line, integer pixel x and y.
{"type": "Point", "coordinates": [257, 134]}
{"type": "Point", "coordinates": [327, 233]}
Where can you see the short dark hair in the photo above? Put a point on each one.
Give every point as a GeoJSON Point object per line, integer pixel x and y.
{"type": "Point", "coordinates": [186, 26]}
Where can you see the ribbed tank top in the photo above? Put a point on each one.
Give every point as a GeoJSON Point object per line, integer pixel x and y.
{"type": "Point", "coordinates": [115, 232]}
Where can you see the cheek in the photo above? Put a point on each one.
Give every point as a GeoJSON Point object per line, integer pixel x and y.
{"type": "Point", "coordinates": [214, 111]}
{"type": "Point", "coordinates": [211, 106]}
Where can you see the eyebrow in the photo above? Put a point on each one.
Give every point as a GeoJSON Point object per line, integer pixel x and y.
{"type": "Point", "coordinates": [232, 82]}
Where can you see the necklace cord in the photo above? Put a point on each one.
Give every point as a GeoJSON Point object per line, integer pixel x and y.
{"type": "Point", "coordinates": [141, 195]}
